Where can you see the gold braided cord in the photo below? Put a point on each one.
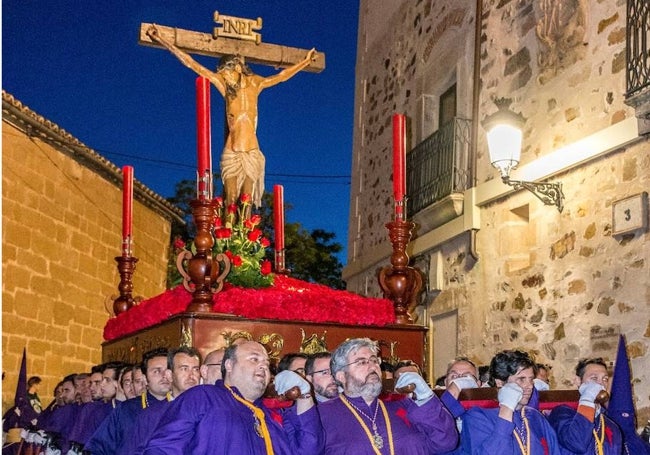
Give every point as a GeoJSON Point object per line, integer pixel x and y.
{"type": "Point", "coordinates": [524, 450]}
{"type": "Point", "coordinates": [257, 412]}
{"type": "Point", "coordinates": [600, 439]}
{"type": "Point", "coordinates": [367, 430]}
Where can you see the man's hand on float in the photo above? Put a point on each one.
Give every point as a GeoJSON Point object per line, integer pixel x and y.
{"type": "Point", "coordinates": [423, 392]}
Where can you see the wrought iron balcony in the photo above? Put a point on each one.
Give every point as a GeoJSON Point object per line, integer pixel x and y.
{"type": "Point", "coordinates": [438, 166]}
{"type": "Point", "coordinates": [637, 39]}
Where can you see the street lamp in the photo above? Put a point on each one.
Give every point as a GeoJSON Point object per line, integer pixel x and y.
{"type": "Point", "coordinates": [504, 136]}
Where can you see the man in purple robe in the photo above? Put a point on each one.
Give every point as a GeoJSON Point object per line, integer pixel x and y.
{"type": "Point", "coordinates": [230, 418]}
{"type": "Point", "coordinates": [92, 414]}
{"type": "Point", "coordinates": [513, 428]}
{"type": "Point", "coordinates": [60, 422]}
{"type": "Point", "coordinates": [360, 423]}
{"type": "Point", "coordinates": [183, 365]}
{"type": "Point", "coordinates": [587, 430]}
{"type": "Point", "coordinates": [117, 427]}
{"type": "Point", "coordinates": [319, 373]}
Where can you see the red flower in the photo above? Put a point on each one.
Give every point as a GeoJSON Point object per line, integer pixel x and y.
{"type": "Point", "coordinates": [179, 244]}
{"type": "Point", "coordinates": [236, 260]}
{"type": "Point", "coordinates": [254, 235]}
{"type": "Point", "coordinates": [248, 224]}
{"type": "Point", "coordinates": [255, 219]}
{"type": "Point", "coordinates": [232, 208]}
{"type": "Point", "coordinates": [223, 233]}
{"type": "Point", "coordinates": [245, 198]}
{"type": "Point", "coordinates": [264, 242]}
{"type": "Point", "coordinates": [266, 267]}
{"type": "Point", "coordinates": [218, 201]}
{"type": "Point", "coordinates": [217, 222]}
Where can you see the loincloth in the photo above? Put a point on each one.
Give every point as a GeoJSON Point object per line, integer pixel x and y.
{"type": "Point", "coordinates": [249, 164]}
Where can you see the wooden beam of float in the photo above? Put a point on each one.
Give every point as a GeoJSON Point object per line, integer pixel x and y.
{"type": "Point", "coordinates": [205, 44]}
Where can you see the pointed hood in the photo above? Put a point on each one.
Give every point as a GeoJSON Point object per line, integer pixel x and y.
{"type": "Point", "coordinates": [621, 404]}
{"type": "Point", "coordinates": [21, 387]}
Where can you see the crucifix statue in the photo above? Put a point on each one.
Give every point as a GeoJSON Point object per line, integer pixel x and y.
{"type": "Point", "coordinates": [242, 162]}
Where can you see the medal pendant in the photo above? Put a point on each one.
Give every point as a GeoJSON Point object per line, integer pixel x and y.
{"type": "Point", "coordinates": [378, 441]}
{"type": "Point", "coordinates": [258, 428]}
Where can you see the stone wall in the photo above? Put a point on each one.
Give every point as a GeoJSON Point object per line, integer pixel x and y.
{"type": "Point", "coordinates": [61, 230]}
{"type": "Point", "coordinates": [556, 284]}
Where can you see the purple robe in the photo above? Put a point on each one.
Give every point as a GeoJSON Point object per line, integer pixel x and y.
{"type": "Point", "coordinates": [575, 432]}
{"type": "Point", "coordinates": [143, 427]}
{"type": "Point", "coordinates": [89, 418]}
{"type": "Point", "coordinates": [208, 419]}
{"type": "Point", "coordinates": [484, 432]}
{"type": "Point", "coordinates": [416, 430]}
{"type": "Point", "coordinates": [116, 428]}
{"type": "Point", "coordinates": [59, 425]}
{"type": "Point", "coordinates": [458, 411]}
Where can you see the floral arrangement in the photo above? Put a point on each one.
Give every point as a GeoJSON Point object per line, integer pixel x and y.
{"type": "Point", "coordinates": [243, 242]}
{"type": "Point", "coordinates": [236, 234]}
{"type": "Point", "coordinates": [286, 299]}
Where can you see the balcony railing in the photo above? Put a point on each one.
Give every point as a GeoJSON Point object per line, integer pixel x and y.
{"type": "Point", "coordinates": [638, 37]}
{"type": "Point", "coordinates": [438, 166]}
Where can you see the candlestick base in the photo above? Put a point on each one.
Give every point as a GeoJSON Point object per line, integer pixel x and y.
{"type": "Point", "coordinates": [126, 267]}
{"type": "Point", "coordinates": [401, 283]}
{"type": "Point", "coordinates": [203, 274]}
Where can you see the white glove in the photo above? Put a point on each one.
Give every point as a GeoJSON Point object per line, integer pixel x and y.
{"type": "Point", "coordinates": [465, 382]}
{"type": "Point", "coordinates": [540, 385]}
{"type": "Point", "coordinates": [510, 395]}
{"type": "Point", "coordinates": [287, 379]}
{"type": "Point", "coordinates": [422, 390]}
{"type": "Point", "coordinates": [588, 393]}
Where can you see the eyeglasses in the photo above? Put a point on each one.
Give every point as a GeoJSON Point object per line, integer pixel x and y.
{"type": "Point", "coordinates": [325, 372]}
{"type": "Point", "coordinates": [364, 362]}
{"type": "Point", "coordinates": [212, 364]}
{"type": "Point", "coordinates": [453, 376]}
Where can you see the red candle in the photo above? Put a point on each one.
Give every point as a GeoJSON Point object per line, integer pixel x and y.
{"type": "Point", "coordinates": [399, 156]}
{"type": "Point", "coordinates": [278, 216]}
{"type": "Point", "coordinates": [203, 136]}
{"type": "Point", "coordinates": [127, 202]}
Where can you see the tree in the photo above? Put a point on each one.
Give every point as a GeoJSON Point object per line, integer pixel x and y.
{"type": "Point", "coordinates": [311, 256]}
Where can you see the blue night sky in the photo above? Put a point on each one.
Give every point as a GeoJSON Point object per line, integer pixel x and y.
{"type": "Point", "coordinates": [79, 65]}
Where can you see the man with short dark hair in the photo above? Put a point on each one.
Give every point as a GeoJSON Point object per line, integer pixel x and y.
{"type": "Point", "coordinates": [513, 428]}
{"type": "Point", "coordinates": [319, 374]}
{"type": "Point", "coordinates": [583, 431]}
{"type": "Point", "coordinates": [293, 361]}
{"type": "Point", "coordinates": [93, 413]}
{"type": "Point", "coordinates": [116, 429]}
{"type": "Point", "coordinates": [60, 422]}
{"type": "Point", "coordinates": [183, 372]}
{"type": "Point", "coordinates": [230, 416]}
{"type": "Point", "coordinates": [359, 422]}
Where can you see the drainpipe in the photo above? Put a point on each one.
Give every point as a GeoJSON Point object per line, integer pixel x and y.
{"type": "Point", "coordinates": [476, 90]}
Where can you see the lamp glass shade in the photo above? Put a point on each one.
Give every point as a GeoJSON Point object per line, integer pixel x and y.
{"type": "Point", "coordinates": [504, 145]}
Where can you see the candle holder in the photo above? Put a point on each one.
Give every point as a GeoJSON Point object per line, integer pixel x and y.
{"type": "Point", "coordinates": [280, 264]}
{"type": "Point", "coordinates": [400, 283]}
{"type": "Point", "coordinates": [126, 267]}
{"type": "Point", "coordinates": [204, 272]}
{"type": "Point", "coordinates": [127, 247]}
{"type": "Point", "coordinates": [204, 185]}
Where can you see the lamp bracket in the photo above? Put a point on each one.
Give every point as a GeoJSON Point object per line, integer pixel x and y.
{"type": "Point", "coordinates": [548, 193]}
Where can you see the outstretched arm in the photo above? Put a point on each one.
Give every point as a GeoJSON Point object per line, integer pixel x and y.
{"type": "Point", "coordinates": [186, 59]}
{"type": "Point", "coordinates": [289, 72]}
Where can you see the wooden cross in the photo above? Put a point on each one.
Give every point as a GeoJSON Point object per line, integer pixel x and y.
{"type": "Point", "coordinates": [217, 45]}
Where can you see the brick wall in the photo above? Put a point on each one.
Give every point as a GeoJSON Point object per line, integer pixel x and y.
{"type": "Point", "coordinates": [61, 230]}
